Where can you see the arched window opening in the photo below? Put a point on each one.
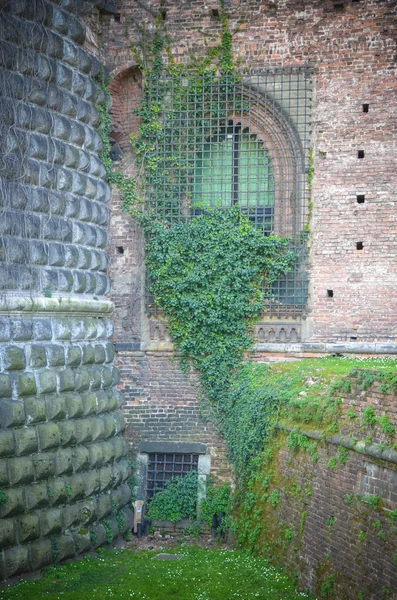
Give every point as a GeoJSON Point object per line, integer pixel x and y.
{"type": "Point", "coordinates": [239, 141]}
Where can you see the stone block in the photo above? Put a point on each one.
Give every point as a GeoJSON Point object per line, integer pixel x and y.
{"type": "Point", "coordinates": [91, 328]}
{"type": "Point", "coordinates": [20, 470]}
{"type": "Point", "coordinates": [7, 533]}
{"type": "Point", "coordinates": [6, 443]}
{"type": "Point", "coordinates": [25, 384]}
{"type": "Point", "coordinates": [125, 468]}
{"type": "Point", "coordinates": [38, 358]}
{"type": "Point", "coordinates": [65, 547]}
{"type": "Point", "coordinates": [55, 355]}
{"type": "Point", "coordinates": [104, 507]}
{"type": "Point", "coordinates": [82, 380]}
{"type": "Point", "coordinates": [106, 376]}
{"type": "Point", "coordinates": [83, 431]}
{"type": "Point", "coordinates": [107, 452]}
{"type": "Point", "coordinates": [36, 496]}
{"type": "Point", "coordinates": [35, 410]}
{"type": "Point", "coordinates": [55, 407]}
{"type": "Point", "coordinates": [56, 491]}
{"type": "Point", "coordinates": [118, 446]}
{"type": "Point", "coordinates": [63, 461]}
{"type": "Point", "coordinates": [98, 535]}
{"type": "Point", "coordinates": [110, 425]}
{"type": "Point", "coordinates": [15, 561]}
{"type": "Point", "coordinates": [3, 473]}
{"type": "Point", "coordinates": [46, 382]}
{"type": "Point", "coordinates": [117, 474]}
{"type": "Point", "coordinates": [12, 414]}
{"type": "Point", "coordinates": [100, 353]}
{"type": "Point", "coordinates": [65, 280]}
{"type": "Point", "coordinates": [25, 440]}
{"type": "Point", "coordinates": [71, 258]}
{"type": "Point", "coordinates": [74, 406]}
{"type": "Point", "coordinates": [68, 436]}
{"type": "Point", "coordinates": [87, 511]}
{"type": "Point", "coordinates": [21, 330]}
{"type": "Point", "coordinates": [42, 330]}
{"type": "Point", "coordinates": [4, 329]}
{"type": "Point", "coordinates": [97, 428]}
{"type": "Point", "coordinates": [95, 378]}
{"type": "Point", "coordinates": [13, 504]}
{"type": "Point", "coordinates": [5, 386]}
{"type": "Point", "coordinates": [70, 516]}
{"type": "Point", "coordinates": [125, 493]}
{"type": "Point", "coordinates": [96, 455]}
{"type": "Point", "coordinates": [49, 436]}
{"type": "Point", "coordinates": [44, 465]}
{"type": "Point", "coordinates": [102, 402]}
{"type": "Point", "coordinates": [82, 541]}
{"type": "Point", "coordinates": [89, 404]}
{"type": "Point", "coordinates": [80, 459]}
{"type": "Point", "coordinates": [119, 421]}
{"type": "Point", "coordinates": [91, 483]}
{"type": "Point", "coordinates": [88, 354]}
{"type": "Point", "coordinates": [13, 358]}
{"type": "Point", "coordinates": [66, 380]}
{"type": "Point", "coordinates": [28, 527]}
{"type": "Point", "coordinates": [105, 478]}
{"type": "Point", "coordinates": [73, 356]}
{"type": "Point", "coordinates": [50, 521]}
{"type": "Point", "coordinates": [40, 553]}
{"type": "Point", "coordinates": [115, 399]}
{"type": "Point", "coordinates": [61, 329]}
{"type": "Point", "coordinates": [116, 376]}
{"type": "Point", "coordinates": [116, 499]}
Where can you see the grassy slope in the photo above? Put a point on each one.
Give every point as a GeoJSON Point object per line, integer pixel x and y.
{"type": "Point", "coordinates": [201, 574]}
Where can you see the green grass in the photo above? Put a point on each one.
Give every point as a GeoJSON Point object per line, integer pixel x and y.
{"type": "Point", "coordinates": [201, 574]}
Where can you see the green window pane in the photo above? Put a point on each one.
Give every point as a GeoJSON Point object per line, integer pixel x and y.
{"type": "Point", "coordinates": [255, 179]}
{"type": "Point", "coordinates": [213, 175]}
{"type": "Point", "coordinates": [222, 166]}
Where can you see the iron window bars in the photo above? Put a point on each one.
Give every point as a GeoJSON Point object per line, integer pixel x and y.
{"type": "Point", "coordinates": [237, 140]}
{"type": "Point", "coordinates": [162, 467]}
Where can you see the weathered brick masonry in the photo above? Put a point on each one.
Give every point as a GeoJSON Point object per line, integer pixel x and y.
{"type": "Point", "coordinates": [351, 46]}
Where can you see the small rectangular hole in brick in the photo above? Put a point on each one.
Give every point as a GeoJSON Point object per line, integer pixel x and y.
{"type": "Point", "coordinates": [353, 338]}
{"type": "Point", "coordinates": [117, 17]}
{"type": "Point", "coordinates": [339, 7]}
{"type": "Point", "coordinates": [360, 198]}
{"type": "Point", "coordinates": [365, 107]}
{"type": "Point", "coordinates": [330, 293]}
{"type": "Point", "coordinates": [359, 245]}
{"type": "Point", "coordinates": [120, 249]}
{"type": "Point", "coordinates": [215, 13]}
{"type": "Point", "coordinates": [360, 154]}
{"type": "Point", "coordinates": [163, 13]}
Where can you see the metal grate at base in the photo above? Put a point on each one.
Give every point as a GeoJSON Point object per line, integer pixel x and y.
{"type": "Point", "coordinates": [162, 467]}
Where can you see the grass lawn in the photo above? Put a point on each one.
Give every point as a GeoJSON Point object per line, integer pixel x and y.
{"type": "Point", "coordinates": [201, 574]}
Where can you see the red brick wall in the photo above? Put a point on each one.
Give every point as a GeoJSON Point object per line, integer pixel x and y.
{"type": "Point", "coordinates": [126, 90]}
{"type": "Point", "coordinates": [354, 56]}
{"type": "Point", "coordinates": [160, 405]}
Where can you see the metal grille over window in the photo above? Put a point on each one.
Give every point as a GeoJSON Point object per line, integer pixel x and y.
{"type": "Point", "coordinates": [237, 140]}
{"type": "Point", "coordinates": [162, 467]}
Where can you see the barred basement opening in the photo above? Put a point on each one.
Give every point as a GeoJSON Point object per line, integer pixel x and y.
{"type": "Point", "coordinates": [162, 467]}
{"type": "Point", "coordinates": [237, 139]}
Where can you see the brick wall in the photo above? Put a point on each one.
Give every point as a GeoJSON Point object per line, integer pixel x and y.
{"type": "Point", "coordinates": [160, 405]}
{"type": "Point", "coordinates": [353, 53]}
{"type": "Point", "coordinates": [333, 518]}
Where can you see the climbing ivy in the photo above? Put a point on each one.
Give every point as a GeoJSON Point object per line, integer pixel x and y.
{"type": "Point", "coordinates": [206, 276]}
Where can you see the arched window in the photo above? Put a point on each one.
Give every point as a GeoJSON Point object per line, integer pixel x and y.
{"type": "Point", "coordinates": [234, 168]}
